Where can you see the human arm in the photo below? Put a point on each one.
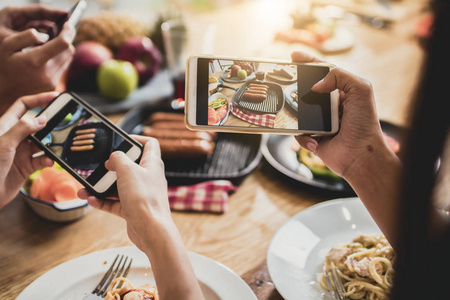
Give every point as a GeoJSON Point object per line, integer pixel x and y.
{"type": "Point", "coordinates": [142, 190]}
{"type": "Point", "coordinates": [38, 69]}
{"type": "Point", "coordinates": [16, 161]}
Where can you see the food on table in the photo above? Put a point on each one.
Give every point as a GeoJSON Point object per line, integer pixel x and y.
{"type": "Point", "coordinates": [143, 54]}
{"type": "Point", "coordinates": [242, 74]}
{"type": "Point", "coordinates": [256, 92]}
{"type": "Point", "coordinates": [83, 142]}
{"type": "Point", "coordinates": [241, 70]}
{"type": "Point", "coordinates": [286, 72]}
{"type": "Point", "coordinates": [245, 66]}
{"type": "Point", "coordinates": [117, 79]}
{"type": "Point", "coordinates": [175, 140]}
{"type": "Point", "coordinates": [130, 292]}
{"type": "Point", "coordinates": [217, 110]}
{"type": "Point", "coordinates": [212, 79]}
{"type": "Point", "coordinates": [85, 131]}
{"type": "Point", "coordinates": [53, 184]}
{"type": "Point", "coordinates": [315, 164]}
{"type": "Point", "coordinates": [233, 71]}
{"type": "Point", "coordinates": [110, 29]}
{"type": "Point", "coordinates": [214, 84]}
{"type": "Point", "coordinates": [67, 118]}
{"type": "Point", "coordinates": [260, 75]}
{"type": "Point", "coordinates": [295, 96]}
{"type": "Point", "coordinates": [253, 97]}
{"type": "Point", "coordinates": [84, 136]}
{"type": "Point", "coordinates": [365, 267]}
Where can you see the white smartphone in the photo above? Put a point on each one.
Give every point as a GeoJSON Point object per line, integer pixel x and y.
{"type": "Point", "coordinates": [258, 96]}
{"type": "Point", "coordinates": [81, 139]}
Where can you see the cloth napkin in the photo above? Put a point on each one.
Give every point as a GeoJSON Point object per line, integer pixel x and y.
{"type": "Point", "coordinates": [209, 196]}
{"type": "Point", "coordinates": [266, 120]}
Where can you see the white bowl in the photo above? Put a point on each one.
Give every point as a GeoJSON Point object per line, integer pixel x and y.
{"type": "Point", "coordinates": [215, 97]}
{"type": "Point", "coordinates": [67, 211]}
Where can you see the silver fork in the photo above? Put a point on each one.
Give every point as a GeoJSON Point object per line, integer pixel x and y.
{"type": "Point", "coordinates": [113, 272]}
{"type": "Point", "coordinates": [335, 285]}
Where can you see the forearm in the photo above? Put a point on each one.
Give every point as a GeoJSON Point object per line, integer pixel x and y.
{"type": "Point", "coordinates": [170, 262]}
{"type": "Point", "coordinates": [376, 181]}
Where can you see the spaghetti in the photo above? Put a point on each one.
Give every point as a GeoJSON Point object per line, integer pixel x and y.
{"type": "Point", "coordinates": [128, 291]}
{"type": "Point", "coordinates": [365, 267]}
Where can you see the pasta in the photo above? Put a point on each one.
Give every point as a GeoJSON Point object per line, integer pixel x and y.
{"type": "Point", "coordinates": [129, 292]}
{"type": "Point", "coordinates": [366, 267]}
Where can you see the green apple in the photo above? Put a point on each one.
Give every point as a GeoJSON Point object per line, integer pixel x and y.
{"type": "Point", "coordinates": [242, 74]}
{"type": "Point", "coordinates": [116, 79]}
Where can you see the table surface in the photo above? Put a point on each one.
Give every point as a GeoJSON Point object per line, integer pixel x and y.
{"type": "Point", "coordinates": [389, 58]}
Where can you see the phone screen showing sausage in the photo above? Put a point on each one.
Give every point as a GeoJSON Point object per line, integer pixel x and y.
{"type": "Point", "coordinates": [271, 95]}
{"type": "Point", "coordinates": [81, 140]}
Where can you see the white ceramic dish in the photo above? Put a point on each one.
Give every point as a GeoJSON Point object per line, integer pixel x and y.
{"type": "Point", "coordinates": [57, 211]}
{"type": "Point", "coordinates": [297, 251]}
{"type": "Point", "coordinates": [218, 96]}
{"type": "Point", "coordinates": [78, 277]}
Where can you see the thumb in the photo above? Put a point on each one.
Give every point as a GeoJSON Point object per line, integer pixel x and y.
{"type": "Point", "coordinates": [339, 79]}
{"type": "Point", "coordinates": [119, 162]}
{"type": "Point", "coordinates": [24, 127]}
{"type": "Point", "coordinates": [18, 41]}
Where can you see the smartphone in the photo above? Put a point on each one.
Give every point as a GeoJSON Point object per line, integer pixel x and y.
{"type": "Point", "coordinates": [81, 139]}
{"type": "Point", "coordinates": [73, 17]}
{"type": "Point", "coordinates": [258, 96]}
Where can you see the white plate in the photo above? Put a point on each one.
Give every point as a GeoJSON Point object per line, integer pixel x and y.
{"type": "Point", "coordinates": [218, 96]}
{"type": "Point", "coordinates": [298, 249]}
{"type": "Point", "coordinates": [76, 278]}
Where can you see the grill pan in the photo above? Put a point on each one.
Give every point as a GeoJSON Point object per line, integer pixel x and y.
{"type": "Point", "coordinates": [87, 160]}
{"type": "Point", "coordinates": [272, 105]}
{"type": "Point", "coordinates": [234, 157]}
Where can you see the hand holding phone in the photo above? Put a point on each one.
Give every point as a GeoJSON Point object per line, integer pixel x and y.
{"type": "Point", "coordinates": [259, 96]}
{"type": "Point", "coordinates": [81, 139]}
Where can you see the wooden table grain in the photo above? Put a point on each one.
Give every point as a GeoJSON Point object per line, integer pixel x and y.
{"type": "Point", "coordinates": [389, 58]}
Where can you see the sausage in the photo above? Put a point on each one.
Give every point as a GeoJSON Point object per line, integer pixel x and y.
{"type": "Point", "coordinates": [180, 148]}
{"type": "Point", "coordinates": [255, 97]}
{"type": "Point", "coordinates": [169, 125]}
{"type": "Point", "coordinates": [175, 134]}
{"type": "Point", "coordinates": [256, 91]}
{"type": "Point", "coordinates": [81, 148]}
{"type": "Point", "coordinates": [83, 142]}
{"type": "Point", "coordinates": [85, 131]}
{"type": "Point", "coordinates": [84, 136]}
{"type": "Point", "coordinates": [165, 116]}
{"type": "Point", "coordinates": [258, 85]}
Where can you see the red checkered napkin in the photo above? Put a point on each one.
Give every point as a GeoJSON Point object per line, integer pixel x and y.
{"type": "Point", "coordinates": [266, 120]}
{"type": "Point", "coordinates": [209, 196]}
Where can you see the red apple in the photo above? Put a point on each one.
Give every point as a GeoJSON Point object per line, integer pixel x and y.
{"type": "Point", "coordinates": [143, 54]}
{"type": "Point", "coordinates": [248, 68]}
{"type": "Point", "coordinates": [234, 70]}
{"type": "Point", "coordinates": [88, 57]}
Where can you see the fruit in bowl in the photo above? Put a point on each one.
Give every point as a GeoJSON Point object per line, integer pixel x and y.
{"type": "Point", "coordinates": [143, 54]}
{"type": "Point", "coordinates": [116, 79]}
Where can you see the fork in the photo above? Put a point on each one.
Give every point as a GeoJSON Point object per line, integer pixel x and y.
{"type": "Point", "coordinates": [113, 272]}
{"type": "Point", "coordinates": [334, 284]}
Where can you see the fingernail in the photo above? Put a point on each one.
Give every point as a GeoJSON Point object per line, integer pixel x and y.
{"type": "Point", "coordinates": [42, 37]}
{"type": "Point", "coordinates": [311, 146]}
{"type": "Point", "coordinates": [41, 120]}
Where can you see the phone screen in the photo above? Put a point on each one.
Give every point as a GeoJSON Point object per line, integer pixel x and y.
{"type": "Point", "coordinates": [235, 93]}
{"type": "Point", "coordinates": [81, 140]}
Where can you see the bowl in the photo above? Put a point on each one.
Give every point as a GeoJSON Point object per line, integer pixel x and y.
{"type": "Point", "coordinates": [67, 211]}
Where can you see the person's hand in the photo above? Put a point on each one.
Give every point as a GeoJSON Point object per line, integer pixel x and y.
{"type": "Point", "coordinates": [142, 190]}
{"type": "Point", "coordinates": [16, 162]}
{"type": "Point", "coordinates": [38, 69]}
{"type": "Point", "coordinates": [360, 132]}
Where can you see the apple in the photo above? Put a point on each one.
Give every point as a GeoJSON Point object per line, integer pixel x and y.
{"type": "Point", "coordinates": [116, 79]}
{"type": "Point", "coordinates": [248, 68]}
{"type": "Point", "coordinates": [143, 54]}
{"type": "Point", "coordinates": [234, 70]}
{"type": "Point", "coordinates": [88, 57]}
{"type": "Point", "coordinates": [241, 74]}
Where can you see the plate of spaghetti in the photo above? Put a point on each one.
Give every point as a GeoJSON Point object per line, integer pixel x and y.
{"type": "Point", "coordinates": [77, 278]}
{"type": "Point", "coordinates": [337, 233]}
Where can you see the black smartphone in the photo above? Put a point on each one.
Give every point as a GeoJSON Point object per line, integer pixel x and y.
{"type": "Point", "coordinates": [73, 17]}
{"type": "Point", "coordinates": [81, 139]}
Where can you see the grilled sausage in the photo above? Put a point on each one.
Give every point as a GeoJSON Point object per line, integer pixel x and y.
{"type": "Point", "coordinates": [84, 136]}
{"type": "Point", "coordinates": [175, 134]}
{"type": "Point", "coordinates": [81, 148]}
{"type": "Point", "coordinates": [180, 148]}
{"type": "Point", "coordinates": [164, 116]}
{"type": "Point", "coordinates": [85, 131]}
{"type": "Point", "coordinates": [82, 142]}
{"type": "Point", "coordinates": [258, 85]}
{"type": "Point", "coordinates": [169, 125]}
{"type": "Point", "coordinates": [256, 91]}
{"type": "Point", "coordinates": [255, 97]}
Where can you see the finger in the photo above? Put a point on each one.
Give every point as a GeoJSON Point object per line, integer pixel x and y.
{"type": "Point", "coordinates": [41, 162]}
{"type": "Point", "coordinates": [342, 80]}
{"type": "Point", "coordinates": [151, 151]}
{"type": "Point", "coordinates": [24, 104]}
{"type": "Point", "coordinates": [24, 127]}
{"type": "Point", "coordinates": [112, 207]}
{"type": "Point", "coordinates": [307, 142]}
{"type": "Point", "coordinates": [23, 39]}
{"type": "Point", "coordinates": [23, 14]}
{"type": "Point", "coordinates": [119, 162]}
{"type": "Point", "coordinates": [59, 64]}
{"type": "Point", "coordinates": [299, 56]}
{"type": "Point", "coordinates": [47, 51]}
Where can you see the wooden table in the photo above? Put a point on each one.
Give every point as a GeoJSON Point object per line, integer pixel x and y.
{"type": "Point", "coordinates": [389, 58]}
